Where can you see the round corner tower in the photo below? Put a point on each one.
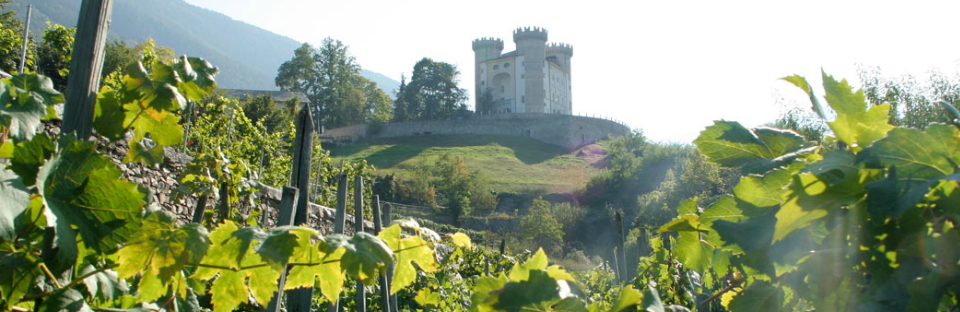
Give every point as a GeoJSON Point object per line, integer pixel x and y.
{"type": "Point", "coordinates": [484, 49]}
{"type": "Point", "coordinates": [531, 44]}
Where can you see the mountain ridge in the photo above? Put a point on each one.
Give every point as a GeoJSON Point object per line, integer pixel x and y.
{"type": "Point", "coordinates": [248, 56]}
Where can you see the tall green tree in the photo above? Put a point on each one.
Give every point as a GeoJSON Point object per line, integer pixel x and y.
{"type": "Point", "coordinates": [54, 54]}
{"type": "Point", "coordinates": [433, 92]}
{"type": "Point", "coordinates": [11, 40]}
{"type": "Point", "coordinates": [330, 78]}
{"type": "Point", "coordinates": [400, 104]}
{"type": "Point", "coordinates": [541, 229]}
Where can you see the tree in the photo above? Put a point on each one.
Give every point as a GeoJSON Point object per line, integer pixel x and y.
{"type": "Point", "coordinates": [400, 105]}
{"type": "Point", "coordinates": [541, 229]}
{"type": "Point", "coordinates": [433, 92]}
{"type": "Point", "coordinates": [913, 102]}
{"type": "Point", "coordinates": [330, 78]}
{"type": "Point", "coordinates": [11, 40]}
{"type": "Point", "coordinates": [377, 104]}
{"type": "Point", "coordinates": [54, 54]}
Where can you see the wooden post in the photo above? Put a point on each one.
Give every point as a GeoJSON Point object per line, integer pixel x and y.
{"type": "Point", "coordinates": [86, 67]}
{"type": "Point", "coordinates": [26, 39]}
{"type": "Point", "coordinates": [340, 219]}
{"type": "Point", "coordinates": [642, 243]}
{"type": "Point", "coordinates": [384, 282]}
{"type": "Point", "coordinates": [288, 204]}
{"type": "Point", "coordinates": [616, 265]}
{"type": "Point", "coordinates": [223, 209]}
{"type": "Point", "coordinates": [388, 214]}
{"type": "Point", "coordinates": [298, 300]}
{"type": "Point", "coordinates": [341, 215]}
{"type": "Point", "coordinates": [200, 209]}
{"type": "Point", "coordinates": [620, 245]}
{"type": "Point", "coordinates": [387, 220]}
{"type": "Point", "coordinates": [361, 297]}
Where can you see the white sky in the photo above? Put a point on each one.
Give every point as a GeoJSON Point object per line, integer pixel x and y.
{"type": "Point", "coordinates": [667, 67]}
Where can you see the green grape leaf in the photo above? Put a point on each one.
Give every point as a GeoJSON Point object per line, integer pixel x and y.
{"type": "Point", "coordinates": [461, 240]}
{"type": "Point", "coordinates": [197, 77]}
{"type": "Point", "coordinates": [650, 301]}
{"type": "Point", "coordinates": [759, 296]}
{"type": "Point", "coordinates": [855, 125]}
{"type": "Point", "coordinates": [766, 190]}
{"type": "Point", "coordinates": [28, 156]}
{"type": "Point", "coordinates": [161, 249]}
{"type": "Point", "coordinates": [893, 195]}
{"type": "Point", "coordinates": [284, 243]}
{"type": "Point", "coordinates": [163, 126]}
{"type": "Point", "coordinates": [109, 116]}
{"type": "Point", "coordinates": [920, 154]}
{"type": "Point", "coordinates": [18, 272]}
{"type": "Point", "coordinates": [538, 288]}
{"type": "Point", "coordinates": [427, 297]}
{"type": "Point", "coordinates": [68, 299]}
{"type": "Point", "coordinates": [485, 290]}
{"type": "Point", "coordinates": [239, 269]}
{"type": "Point", "coordinates": [82, 190]}
{"type": "Point", "coordinates": [6, 149]}
{"type": "Point", "coordinates": [407, 251]}
{"type": "Point", "coordinates": [156, 91]}
{"type": "Point", "coordinates": [364, 255]}
{"type": "Point", "coordinates": [681, 224]}
{"type": "Point", "coordinates": [139, 152]}
{"type": "Point", "coordinates": [752, 234]}
{"type": "Point", "coordinates": [521, 272]}
{"type": "Point", "coordinates": [802, 83]}
{"type": "Point", "coordinates": [15, 201]}
{"type": "Point", "coordinates": [756, 151]}
{"type": "Point", "coordinates": [24, 100]}
{"type": "Point", "coordinates": [104, 284]}
{"type": "Point", "coordinates": [628, 297]}
{"type": "Point", "coordinates": [305, 274]}
{"type": "Point", "coordinates": [693, 251]}
{"type": "Point", "coordinates": [725, 208]}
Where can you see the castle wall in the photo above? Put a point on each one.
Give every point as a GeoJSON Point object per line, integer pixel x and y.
{"type": "Point", "coordinates": [562, 130]}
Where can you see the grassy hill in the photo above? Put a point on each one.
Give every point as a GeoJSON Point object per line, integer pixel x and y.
{"type": "Point", "coordinates": [248, 56]}
{"type": "Point", "coordinates": [512, 164]}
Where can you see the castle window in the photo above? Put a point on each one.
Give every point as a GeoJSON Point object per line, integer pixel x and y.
{"type": "Point", "coordinates": [495, 67]}
{"type": "Point", "coordinates": [506, 65]}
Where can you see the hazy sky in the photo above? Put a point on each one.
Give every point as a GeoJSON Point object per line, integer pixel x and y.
{"type": "Point", "coordinates": [667, 67]}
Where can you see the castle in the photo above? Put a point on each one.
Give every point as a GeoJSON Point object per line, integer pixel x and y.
{"type": "Point", "coordinates": [535, 78]}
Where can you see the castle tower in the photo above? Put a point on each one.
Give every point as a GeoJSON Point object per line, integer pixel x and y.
{"type": "Point", "coordinates": [531, 44]}
{"type": "Point", "coordinates": [484, 49]}
{"type": "Point", "coordinates": [560, 53]}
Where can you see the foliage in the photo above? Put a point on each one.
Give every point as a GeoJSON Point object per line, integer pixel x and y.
{"type": "Point", "coordinates": [11, 40]}
{"type": "Point", "coordinates": [54, 53]}
{"type": "Point", "coordinates": [913, 101]}
{"type": "Point", "coordinates": [432, 92]}
{"type": "Point", "coordinates": [330, 77]}
{"type": "Point", "coordinates": [868, 225]}
{"type": "Point", "coordinates": [460, 188]}
{"type": "Point", "coordinates": [540, 229]}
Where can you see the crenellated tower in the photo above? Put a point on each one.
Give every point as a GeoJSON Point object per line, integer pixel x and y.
{"type": "Point", "coordinates": [531, 44]}
{"type": "Point", "coordinates": [484, 49]}
{"type": "Point", "coordinates": [560, 53]}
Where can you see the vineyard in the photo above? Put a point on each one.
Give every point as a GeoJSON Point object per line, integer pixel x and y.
{"type": "Point", "coordinates": [863, 220]}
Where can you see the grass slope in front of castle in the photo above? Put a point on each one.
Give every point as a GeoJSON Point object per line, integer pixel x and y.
{"type": "Point", "coordinates": [511, 164]}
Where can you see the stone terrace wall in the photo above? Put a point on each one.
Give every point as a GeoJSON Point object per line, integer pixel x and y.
{"type": "Point", "coordinates": [563, 130]}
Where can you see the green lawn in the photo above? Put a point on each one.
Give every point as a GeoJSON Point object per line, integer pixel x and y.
{"type": "Point", "coordinates": [511, 164]}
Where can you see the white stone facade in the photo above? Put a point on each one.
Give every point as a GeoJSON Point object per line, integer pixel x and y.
{"type": "Point", "coordinates": [535, 78]}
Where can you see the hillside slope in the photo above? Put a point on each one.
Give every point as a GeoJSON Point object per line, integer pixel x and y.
{"type": "Point", "coordinates": [248, 56]}
{"type": "Point", "coordinates": [512, 164]}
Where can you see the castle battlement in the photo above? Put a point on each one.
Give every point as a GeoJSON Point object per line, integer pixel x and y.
{"type": "Point", "coordinates": [560, 48]}
{"type": "Point", "coordinates": [488, 42]}
{"type": "Point", "coordinates": [536, 33]}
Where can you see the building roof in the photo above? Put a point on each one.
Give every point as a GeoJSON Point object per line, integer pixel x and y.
{"type": "Point", "coordinates": [278, 96]}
